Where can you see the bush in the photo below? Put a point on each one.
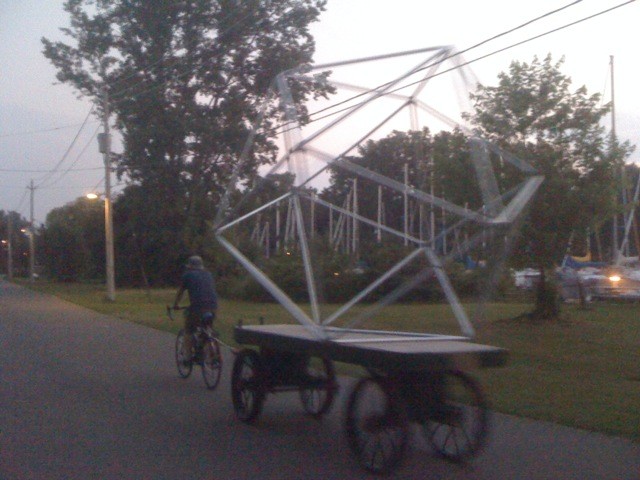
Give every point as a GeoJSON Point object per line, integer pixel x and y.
{"type": "Point", "coordinates": [340, 278]}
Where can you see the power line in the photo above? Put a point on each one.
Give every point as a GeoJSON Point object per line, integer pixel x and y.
{"type": "Point", "coordinates": [13, 170]}
{"type": "Point", "coordinates": [24, 195]}
{"type": "Point", "coordinates": [44, 130]}
{"type": "Point", "coordinates": [84, 149]}
{"type": "Point", "coordinates": [450, 69]}
{"type": "Point", "coordinates": [448, 57]}
{"type": "Point", "coordinates": [75, 139]}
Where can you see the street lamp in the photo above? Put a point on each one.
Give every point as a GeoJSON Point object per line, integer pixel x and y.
{"type": "Point", "coordinates": [5, 243]}
{"type": "Point", "coordinates": [108, 228]}
{"type": "Point", "coordinates": [32, 266]}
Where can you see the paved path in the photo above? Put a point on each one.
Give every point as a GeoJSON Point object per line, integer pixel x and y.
{"type": "Point", "coordinates": [86, 396]}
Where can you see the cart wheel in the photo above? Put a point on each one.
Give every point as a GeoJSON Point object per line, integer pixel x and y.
{"type": "Point", "coordinates": [377, 426]}
{"type": "Point", "coordinates": [211, 363]}
{"type": "Point", "coordinates": [183, 363]}
{"type": "Point", "coordinates": [317, 396]}
{"type": "Point", "coordinates": [459, 427]}
{"type": "Point", "coordinates": [247, 385]}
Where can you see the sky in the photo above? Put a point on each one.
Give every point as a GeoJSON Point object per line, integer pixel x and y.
{"type": "Point", "coordinates": [40, 119]}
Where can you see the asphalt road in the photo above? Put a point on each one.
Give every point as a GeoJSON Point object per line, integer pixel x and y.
{"type": "Point", "coordinates": [86, 396]}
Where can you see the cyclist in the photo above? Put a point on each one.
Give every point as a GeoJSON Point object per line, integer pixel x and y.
{"type": "Point", "coordinates": [202, 297]}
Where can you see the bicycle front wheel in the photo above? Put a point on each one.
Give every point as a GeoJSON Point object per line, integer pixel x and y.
{"type": "Point", "coordinates": [183, 361]}
{"type": "Point", "coordinates": [211, 363]}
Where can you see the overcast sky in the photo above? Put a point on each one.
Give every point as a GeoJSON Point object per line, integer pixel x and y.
{"type": "Point", "coordinates": [30, 102]}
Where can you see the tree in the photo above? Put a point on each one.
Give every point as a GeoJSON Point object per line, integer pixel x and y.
{"type": "Point", "coordinates": [19, 242]}
{"type": "Point", "coordinates": [534, 114]}
{"type": "Point", "coordinates": [438, 162]}
{"type": "Point", "coordinates": [74, 247]}
{"type": "Point", "coordinates": [185, 80]}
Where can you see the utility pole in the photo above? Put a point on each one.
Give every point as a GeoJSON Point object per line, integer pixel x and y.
{"type": "Point", "coordinates": [31, 234]}
{"type": "Point", "coordinates": [105, 149]}
{"type": "Point", "coordinates": [10, 247]}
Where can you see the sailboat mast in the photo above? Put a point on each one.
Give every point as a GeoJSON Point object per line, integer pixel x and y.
{"type": "Point", "coordinates": [613, 103]}
{"type": "Point", "coordinates": [614, 251]}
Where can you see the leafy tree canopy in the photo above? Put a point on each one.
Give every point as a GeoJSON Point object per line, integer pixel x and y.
{"type": "Point", "coordinates": [533, 113]}
{"type": "Point", "coordinates": [186, 79]}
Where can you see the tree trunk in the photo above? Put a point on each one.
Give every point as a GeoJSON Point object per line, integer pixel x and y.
{"type": "Point", "coordinates": [547, 306]}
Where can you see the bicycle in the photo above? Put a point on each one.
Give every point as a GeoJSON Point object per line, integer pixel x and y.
{"type": "Point", "coordinates": [206, 350]}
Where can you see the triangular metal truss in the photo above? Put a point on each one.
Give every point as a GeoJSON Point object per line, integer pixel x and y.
{"type": "Point", "coordinates": [305, 158]}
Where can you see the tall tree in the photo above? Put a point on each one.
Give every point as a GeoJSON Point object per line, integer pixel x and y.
{"type": "Point", "coordinates": [533, 113]}
{"type": "Point", "coordinates": [19, 242]}
{"type": "Point", "coordinates": [74, 248]}
{"type": "Point", "coordinates": [185, 80]}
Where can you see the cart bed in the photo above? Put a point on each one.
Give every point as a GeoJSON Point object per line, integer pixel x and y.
{"type": "Point", "coordinates": [376, 349]}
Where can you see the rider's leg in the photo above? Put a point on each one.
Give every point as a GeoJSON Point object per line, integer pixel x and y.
{"type": "Point", "coordinates": [190, 323]}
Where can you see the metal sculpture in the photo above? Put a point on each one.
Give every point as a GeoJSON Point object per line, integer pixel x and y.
{"type": "Point", "coordinates": [306, 160]}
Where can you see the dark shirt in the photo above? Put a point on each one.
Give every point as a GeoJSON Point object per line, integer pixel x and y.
{"type": "Point", "coordinates": [201, 288]}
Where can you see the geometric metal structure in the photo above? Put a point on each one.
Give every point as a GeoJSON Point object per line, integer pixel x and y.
{"type": "Point", "coordinates": [308, 152]}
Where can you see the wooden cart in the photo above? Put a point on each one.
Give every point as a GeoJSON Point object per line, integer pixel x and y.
{"type": "Point", "coordinates": [412, 378]}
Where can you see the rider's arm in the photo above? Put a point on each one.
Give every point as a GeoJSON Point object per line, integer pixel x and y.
{"type": "Point", "coordinates": [178, 296]}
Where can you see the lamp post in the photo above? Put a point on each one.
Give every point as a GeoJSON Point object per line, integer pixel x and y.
{"type": "Point", "coordinates": [28, 231]}
{"type": "Point", "coordinates": [111, 295]}
{"type": "Point", "coordinates": [108, 247]}
{"type": "Point", "coordinates": [10, 248]}
{"type": "Point", "coordinates": [32, 245]}
{"type": "Point", "coordinates": [5, 244]}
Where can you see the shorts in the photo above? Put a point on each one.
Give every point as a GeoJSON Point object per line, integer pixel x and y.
{"type": "Point", "coordinates": [193, 318]}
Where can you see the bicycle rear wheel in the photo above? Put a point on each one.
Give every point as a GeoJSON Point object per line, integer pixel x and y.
{"type": "Point", "coordinates": [183, 362]}
{"type": "Point", "coordinates": [211, 363]}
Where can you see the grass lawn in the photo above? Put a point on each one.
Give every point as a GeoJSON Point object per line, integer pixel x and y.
{"type": "Point", "coordinates": [582, 371]}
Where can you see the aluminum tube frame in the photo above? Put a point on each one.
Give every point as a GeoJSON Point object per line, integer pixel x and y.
{"type": "Point", "coordinates": [324, 66]}
{"type": "Point", "coordinates": [274, 290]}
{"type": "Point", "coordinates": [627, 225]}
{"type": "Point", "coordinates": [412, 192]}
{"type": "Point", "coordinates": [363, 219]}
{"type": "Point", "coordinates": [520, 201]}
{"type": "Point", "coordinates": [379, 281]}
{"type": "Point", "coordinates": [375, 94]}
{"type": "Point", "coordinates": [251, 214]}
{"type": "Point", "coordinates": [306, 258]}
{"type": "Point", "coordinates": [452, 297]}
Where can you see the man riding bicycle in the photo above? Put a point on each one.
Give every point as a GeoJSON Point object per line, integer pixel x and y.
{"type": "Point", "coordinates": [202, 297]}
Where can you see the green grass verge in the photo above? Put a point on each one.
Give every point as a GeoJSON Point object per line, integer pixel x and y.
{"type": "Point", "coordinates": [582, 371]}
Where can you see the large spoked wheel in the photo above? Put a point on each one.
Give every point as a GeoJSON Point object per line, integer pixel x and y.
{"type": "Point", "coordinates": [377, 426]}
{"type": "Point", "coordinates": [319, 389]}
{"type": "Point", "coordinates": [183, 361]}
{"type": "Point", "coordinates": [211, 363]}
{"type": "Point", "coordinates": [459, 424]}
{"type": "Point", "coordinates": [247, 385]}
